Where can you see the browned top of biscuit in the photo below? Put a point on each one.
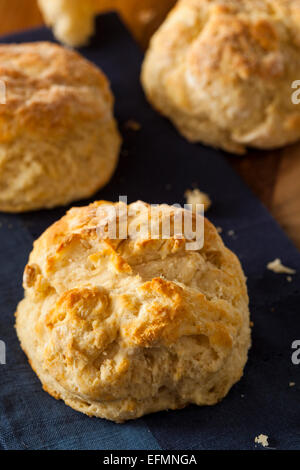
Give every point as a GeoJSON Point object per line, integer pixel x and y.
{"type": "Point", "coordinates": [223, 71]}
{"type": "Point", "coordinates": [49, 88]}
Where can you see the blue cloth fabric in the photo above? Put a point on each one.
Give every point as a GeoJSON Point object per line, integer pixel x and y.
{"type": "Point", "coordinates": [154, 157]}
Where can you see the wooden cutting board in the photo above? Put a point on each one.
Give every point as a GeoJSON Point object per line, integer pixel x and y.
{"type": "Point", "coordinates": [273, 176]}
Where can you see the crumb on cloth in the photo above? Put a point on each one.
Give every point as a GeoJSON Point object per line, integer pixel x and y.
{"type": "Point", "coordinates": [292, 384]}
{"type": "Point", "coordinates": [262, 439]}
{"type": "Point", "coordinates": [277, 267]}
{"type": "Point", "coordinates": [132, 125]}
{"type": "Point", "coordinates": [195, 196]}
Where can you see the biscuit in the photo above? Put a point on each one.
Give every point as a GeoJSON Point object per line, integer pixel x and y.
{"type": "Point", "coordinates": [222, 71]}
{"type": "Point", "coordinates": [121, 327]}
{"type": "Point", "coordinates": [59, 139]}
{"type": "Point", "coordinates": [72, 20]}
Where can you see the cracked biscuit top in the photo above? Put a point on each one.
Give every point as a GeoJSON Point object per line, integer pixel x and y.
{"type": "Point", "coordinates": [122, 327]}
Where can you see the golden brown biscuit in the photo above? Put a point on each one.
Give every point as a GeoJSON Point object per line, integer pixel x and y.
{"type": "Point", "coordinates": [118, 328]}
{"type": "Point", "coordinates": [222, 71]}
{"type": "Point", "coordinates": [58, 138]}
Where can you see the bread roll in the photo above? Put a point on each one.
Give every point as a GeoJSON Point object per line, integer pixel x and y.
{"type": "Point", "coordinates": [121, 327]}
{"type": "Point", "coordinates": [59, 141]}
{"type": "Point", "coordinates": [222, 71]}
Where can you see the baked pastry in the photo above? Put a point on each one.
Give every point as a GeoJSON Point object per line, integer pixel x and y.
{"type": "Point", "coordinates": [222, 71]}
{"type": "Point", "coordinates": [59, 140]}
{"type": "Point", "coordinates": [121, 327]}
{"type": "Point", "coordinates": [72, 20]}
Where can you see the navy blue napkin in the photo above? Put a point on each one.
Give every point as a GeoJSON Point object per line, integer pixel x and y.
{"type": "Point", "coordinates": [157, 165]}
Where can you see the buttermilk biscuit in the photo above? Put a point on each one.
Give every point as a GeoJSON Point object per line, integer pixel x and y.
{"type": "Point", "coordinates": [118, 328]}
{"type": "Point", "coordinates": [72, 20]}
{"type": "Point", "coordinates": [58, 138]}
{"type": "Point", "coordinates": [222, 71]}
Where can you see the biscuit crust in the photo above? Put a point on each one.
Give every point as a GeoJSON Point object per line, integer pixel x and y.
{"type": "Point", "coordinates": [59, 140]}
{"type": "Point", "coordinates": [118, 328]}
{"type": "Point", "coordinates": [222, 71]}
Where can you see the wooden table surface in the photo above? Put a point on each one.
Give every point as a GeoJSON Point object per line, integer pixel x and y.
{"type": "Point", "coordinates": [273, 176]}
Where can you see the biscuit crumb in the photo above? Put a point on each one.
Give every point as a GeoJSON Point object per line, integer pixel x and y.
{"type": "Point", "coordinates": [146, 16]}
{"type": "Point", "coordinates": [292, 384]}
{"type": "Point", "coordinates": [195, 196]}
{"type": "Point", "coordinates": [262, 439]}
{"type": "Point", "coordinates": [251, 324]}
{"type": "Point", "coordinates": [231, 233]}
{"type": "Point", "coordinates": [277, 267]}
{"type": "Point", "coordinates": [219, 229]}
{"type": "Point", "coordinates": [289, 278]}
{"type": "Point", "coordinates": [133, 125]}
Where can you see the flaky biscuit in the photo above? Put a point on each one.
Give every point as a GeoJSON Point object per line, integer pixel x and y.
{"type": "Point", "coordinates": [59, 140]}
{"type": "Point", "coordinates": [222, 71]}
{"type": "Point", "coordinates": [118, 328]}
